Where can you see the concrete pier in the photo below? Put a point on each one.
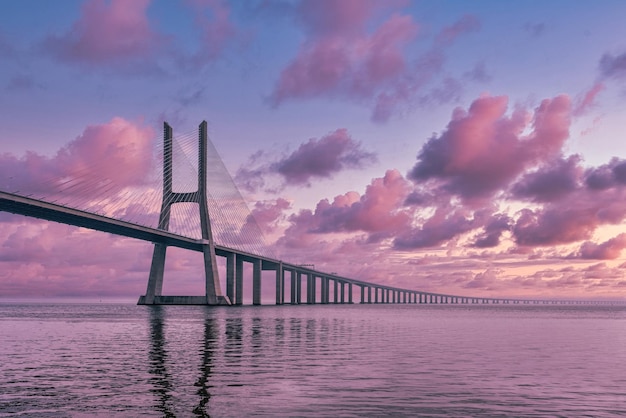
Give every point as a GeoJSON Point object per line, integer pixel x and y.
{"type": "Point", "coordinates": [280, 284]}
{"type": "Point", "coordinates": [213, 294]}
{"type": "Point", "coordinates": [256, 282]}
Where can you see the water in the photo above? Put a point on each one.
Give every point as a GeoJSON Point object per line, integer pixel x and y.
{"type": "Point", "coordinates": [81, 360]}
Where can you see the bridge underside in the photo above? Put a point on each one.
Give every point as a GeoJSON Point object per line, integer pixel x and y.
{"type": "Point", "coordinates": [181, 300]}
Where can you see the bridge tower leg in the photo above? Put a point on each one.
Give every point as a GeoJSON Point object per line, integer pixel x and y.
{"type": "Point", "coordinates": [213, 294]}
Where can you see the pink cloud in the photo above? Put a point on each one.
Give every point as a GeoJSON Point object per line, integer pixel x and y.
{"type": "Point", "coordinates": [572, 218]}
{"type": "Point", "coordinates": [554, 225]}
{"type": "Point", "coordinates": [40, 258]}
{"type": "Point", "coordinates": [353, 64]}
{"type": "Point", "coordinates": [576, 202]}
{"type": "Point", "coordinates": [314, 159]}
{"type": "Point", "coordinates": [608, 250]}
{"type": "Point", "coordinates": [445, 224]}
{"type": "Point", "coordinates": [267, 214]}
{"type": "Point", "coordinates": [108, 157]}
{"type": "Point", "coordinates": [352, 52]}
{"type": "Point", "coordinates": [483, 149]}
{"type": "Point", "coordinates": [47, 259]}
{"type": "Point", "coordinates": [112, 32]}
{"type": "Point", "coordinates": [341, 56]}
{"type": "Point", "coordinates": [378, 212]}
{"type": "Point", "coordinates": [588, 100]}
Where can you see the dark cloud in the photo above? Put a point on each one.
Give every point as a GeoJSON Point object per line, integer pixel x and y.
{"type": "Point", "coordinates": [315, 159]}
{"type": "Point", "coordinates": [322, 158]}
{"type": "Point", "coordinates": [550, 182]}
{"type": "Point", "coordinates": [492, 231]}
{"type": "Point", "coordinates": [607, 175]}
{"type": "Point", "coordinates": [613, 66]}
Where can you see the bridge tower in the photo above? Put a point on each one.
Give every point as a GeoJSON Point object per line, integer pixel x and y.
{"type": "Point", "coordinates": [213, 294]}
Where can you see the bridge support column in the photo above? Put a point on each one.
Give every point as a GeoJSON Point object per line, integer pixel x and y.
{"type": "Point", "coordinates": [238, 280]}
{"type": "Point", "coordinates": [256, 282]}
{"type": "Point", "coordinates": [155, 280]}
{"type": "Point", "coordinates": [325, 290]}
{"type": "Point", "coordinates": [362, 294]}
{"type": "Point", "coordinates": [294, 288]}
{"type": "Point", "coordinates": [310, 292]}
{"type": "Point", "coordinates": [343, 292]}
{"type": "Point", "coordinates": [336, 291]}
{"type": "Point", "coordinates": [298, 287]}
{"type": "Point", "coordinates": [280, 284]}
{"type": "Point", "coordinates": [230, 277]}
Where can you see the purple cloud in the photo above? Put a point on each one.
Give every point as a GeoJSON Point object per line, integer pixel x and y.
{"type": "Point", "coordinates": [552, 181]}
{"type": "Point", "coordinates": [482, 149]}
{"type": "Point", "coordinates": [608, 250]}
{"type": "Point", "coordinates": [613, 66]}
{"type": "Point", "coordinates": [314, 159]}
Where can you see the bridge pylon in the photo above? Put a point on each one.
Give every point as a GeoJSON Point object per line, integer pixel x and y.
{"type": "Point", "coordinates": [213, 294]}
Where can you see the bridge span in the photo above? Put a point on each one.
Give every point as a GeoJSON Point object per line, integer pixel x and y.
{"type": "Point", "coordinates": [333, 288]}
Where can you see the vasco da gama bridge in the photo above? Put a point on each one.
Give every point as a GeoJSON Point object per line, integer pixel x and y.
{"type": "Point", "coordinates": [303, 278]}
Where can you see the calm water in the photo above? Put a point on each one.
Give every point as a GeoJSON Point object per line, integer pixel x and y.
{"type": "Point", "coordinates": [80, 360]}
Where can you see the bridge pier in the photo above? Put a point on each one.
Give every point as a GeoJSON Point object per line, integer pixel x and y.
{"type": "Point", "coordinates": [294, 288]}
{"type": "Point", "coordinates": [213, 294]}
{"type": "Point", "coordinates": [310, 292]}
{"type": "Point", "coordinates": [328, 287]}
{"type": "Point", "coordinates": [230, 276]}
{"type": "Point", "coordinates": [280, 284]}
{"type": "Point", "coordinates": [238, 280]}
{"type": "Point", "coordinates": [298, 287]}
{"type": "Point", "coordinates": [256, 282]}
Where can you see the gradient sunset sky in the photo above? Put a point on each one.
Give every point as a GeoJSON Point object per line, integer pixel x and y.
{"type": "Point", "coordinates": [461, 147]}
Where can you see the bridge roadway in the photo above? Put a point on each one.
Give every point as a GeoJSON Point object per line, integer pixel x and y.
{"type": "Point", "coordinates": [369, 292]}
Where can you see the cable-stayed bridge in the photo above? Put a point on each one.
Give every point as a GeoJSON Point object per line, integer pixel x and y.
{"type": "Point", "coordinates": [203, 211]}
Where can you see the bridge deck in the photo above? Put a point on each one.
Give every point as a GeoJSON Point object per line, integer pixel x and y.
{"type": "Point", "coordinates": [27, 206]}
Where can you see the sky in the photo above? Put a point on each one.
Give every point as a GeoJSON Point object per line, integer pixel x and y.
{"type": "Point", "coordinates": [470, 148]}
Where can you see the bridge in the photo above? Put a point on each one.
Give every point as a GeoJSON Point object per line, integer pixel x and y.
{"type": "Point", "coordinates": [333, 288]}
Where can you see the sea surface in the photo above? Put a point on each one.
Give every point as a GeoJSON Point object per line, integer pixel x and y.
{"type": "Point", "coordinates": [108, 360]}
